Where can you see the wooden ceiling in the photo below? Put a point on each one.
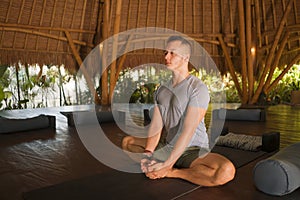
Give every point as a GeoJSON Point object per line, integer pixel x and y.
{"type": "Point", "coordinates": [64, 32]}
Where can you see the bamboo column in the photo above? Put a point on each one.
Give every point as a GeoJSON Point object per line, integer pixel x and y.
{"type": "Point", "coordinates": [272, 51]}
{"type": "Point", "coordinates": [105, 33]}
{"type": "Point", "coordinates": [113, 75]}
{"type": "Point", "coordinates": [82, 67]}
{"type": "Point", "coordinates": [275, 82]}
{"type": "Point", "coordinates": [18, 85]}
{"type": "Point", "coordinates": [123, 58]}
{"type": "Point", "coordinates": [249, 43]}
{"type": "Point", "coordinates": [276, 61]}
{"type": "Point", "coordinates": [230, 66]}
{"type": "Point", "coordinates": [243, 50]}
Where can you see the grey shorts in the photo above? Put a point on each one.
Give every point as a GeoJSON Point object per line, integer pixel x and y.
{"type": "Point", "coordinates": [190, 154]}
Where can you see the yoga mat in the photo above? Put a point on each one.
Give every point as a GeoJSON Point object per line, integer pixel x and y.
{"type": "Point", "coordinates": [238, 157]}
{"type": "Point", "coordinates": [113, 185]}
{"type": "Point", "coordinates": [121, 185]}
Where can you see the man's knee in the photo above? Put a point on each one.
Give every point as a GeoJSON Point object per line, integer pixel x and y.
{"type": "Point", "coordinates": [127, 141]}
{"type": "Point", "coordinates": [225, 173]}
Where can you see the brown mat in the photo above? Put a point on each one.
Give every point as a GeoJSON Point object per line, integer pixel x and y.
{"type": "Point", "coordinates": [121, 185]}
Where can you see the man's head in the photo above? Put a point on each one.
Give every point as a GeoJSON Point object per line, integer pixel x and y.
{"type": "Point", "coordinates": [177, 52]}
{"type": "Point", "coordinates": [185, 44]}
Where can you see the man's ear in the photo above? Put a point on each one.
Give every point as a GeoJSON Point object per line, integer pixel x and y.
{"type": "Point", "coordinates": [187, 58]}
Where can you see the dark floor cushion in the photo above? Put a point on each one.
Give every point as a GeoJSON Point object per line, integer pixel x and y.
{"type": "Point", "coordinates": [279, 174]}
{"type": "Point", "coordinates": [240, 114]}
{"type": "Point", "coordinates": [10, 125]}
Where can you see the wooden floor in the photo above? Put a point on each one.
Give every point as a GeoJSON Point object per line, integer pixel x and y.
{"type": "Point", "coordinates": [34, 159]}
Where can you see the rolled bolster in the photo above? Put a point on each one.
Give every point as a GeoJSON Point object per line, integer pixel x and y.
{"type": "Point", "coordinates": [279, 174]}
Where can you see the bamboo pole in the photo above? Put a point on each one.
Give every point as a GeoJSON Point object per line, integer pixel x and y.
{"type": "Point", "coordinates": [184, 16]}
{"type": "Point", "coordinates": [18, 85]}
{"type": "Point", "coordinates": [62, 22]}
{"type": "Point", "coordinates": [271, 53]}
{"type": "Point", "coordinates": [82, 67]}
{"type": "Point", "coordinates": [213, 12]}
{"type": "Point", "coordinates": [230, 66]}
{"type": "Point", "coordinates": [275, 82]}
{"type": "Point", "coordinates": [46, 28]}
{"type": "Point", "coordinates": [167, 13]}
{"type": "Point", "coordinates": [231, 17]}
{"type": "Point", "coordinates": [148, 14]}
{"type": "Point", "coordinates": [51, 22]}
{"type": "Point", "coordinates": [276, 61]}
{"type": "Point", "coordinates": [18, 22]}
{"type": "Point", "coordinates": [30, 21]}
{"type": "Point", "coordinates": [105, 33]}
{"type": "Point", "coordinates": [273, 8]}
{"type": "Point", "coordinates": [113, 66]}
{"type": "Point", "coordinates": [138, 13]}
{"type": "Point", "coordinates": [123, 58]}
{"type": "Point", "coordinates": [194, 16]}
{"type": "Point", "coordinates": [250, 56]}
{"type": "Point", "coordinates": [82, 20]}
{"type": "Point", "coordinates": [243, 50]}
{"type": "Point", "coordinates": [258, 23]}
{"type": "Point", "coordinates": [264, 17]}
{"type": "Point", "coordinates": [45, 35]}
{"type": "Point", "coordinates": [175, 14]}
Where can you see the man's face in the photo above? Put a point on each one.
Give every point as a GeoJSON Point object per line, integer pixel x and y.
{"type": "Point", "coordinates": [176, 55]}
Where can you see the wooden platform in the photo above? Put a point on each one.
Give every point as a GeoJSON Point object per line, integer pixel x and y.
{"type": "Point", "coordinates": [36, 159]}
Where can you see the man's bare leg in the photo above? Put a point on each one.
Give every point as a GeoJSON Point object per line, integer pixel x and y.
{"type": "Point", "coordinates": [212, 170]}
{"type": "Point", "coordinates": [133, 144]}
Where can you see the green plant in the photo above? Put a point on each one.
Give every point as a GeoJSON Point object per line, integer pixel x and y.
{"type": "Point", "coordinates": [282, 92]}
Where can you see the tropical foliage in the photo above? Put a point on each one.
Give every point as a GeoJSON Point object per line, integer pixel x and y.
{"type": "Point", "coordinates": [54, 86]}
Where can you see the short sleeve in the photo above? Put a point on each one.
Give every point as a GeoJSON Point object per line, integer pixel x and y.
{"type": "Point", "coordinates": [199, 96]}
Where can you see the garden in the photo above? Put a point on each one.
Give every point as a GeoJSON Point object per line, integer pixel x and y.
{"type": "Point", "coordinates": [24, 86]}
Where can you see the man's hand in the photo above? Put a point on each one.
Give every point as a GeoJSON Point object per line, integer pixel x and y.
{"type": "Point", "coordinates": [156, 170]}
{"type": "Point", "coordinates": [146, 163]}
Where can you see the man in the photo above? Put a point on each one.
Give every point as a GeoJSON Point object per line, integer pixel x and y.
{"type": "Point", "coordinates": [180, 107]}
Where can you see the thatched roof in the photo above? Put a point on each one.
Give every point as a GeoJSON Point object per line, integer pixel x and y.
{"type": "Point", "coordinates": [33, 31]}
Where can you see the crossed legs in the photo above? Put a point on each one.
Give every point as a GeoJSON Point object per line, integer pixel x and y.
{"type": "Point", "coordinates": [211, 170]}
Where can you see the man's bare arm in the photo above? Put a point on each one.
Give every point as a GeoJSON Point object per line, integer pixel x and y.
{"type": "Point", "coordinates": [155, 129]}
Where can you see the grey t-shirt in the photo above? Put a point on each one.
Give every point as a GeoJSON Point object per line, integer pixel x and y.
{"type": "Point", "coordinates": [173, 103]}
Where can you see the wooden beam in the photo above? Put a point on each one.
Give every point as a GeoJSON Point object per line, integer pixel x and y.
{"type": "Point", "coordinates": [230, 66]}
{"type": "Point", "coordinates": [276, 61]}
{"type": "Point", "coordinates": [258, 22]}
{"type": "Point", "coordinates": [44, 35]}
{"type": "Point", "coordinates": [249, 45]}
{"type": "Point", "coordinates": [46, 28]}
{"type": "Point", "coordinates": [275, 82]}
{"type": "Point", "coordinates": [123, 57]}
{"type": "Point", "coordinates": [105, 33]}
{"type": "Point", "coordinates": [243, 50]}
{"type": "Point", "coordinates": [272, 51]}
{"type": "Point", "coordinates": [115, 49]}
{"type": "Point", "coordinates": [82, 67]}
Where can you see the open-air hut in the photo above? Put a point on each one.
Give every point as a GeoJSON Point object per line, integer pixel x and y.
{"type": "Point", "coordinates": [63, 32]}
{"type": "Point", "coordinates": [43, 156]}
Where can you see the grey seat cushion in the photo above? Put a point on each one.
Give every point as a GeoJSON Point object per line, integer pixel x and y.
{"type": "Point", "coordinates": [10, 125]}
{"type": "Point", "coordinates": [279, 174]}
{"type": "Point", "coordinates": [240, 114]}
